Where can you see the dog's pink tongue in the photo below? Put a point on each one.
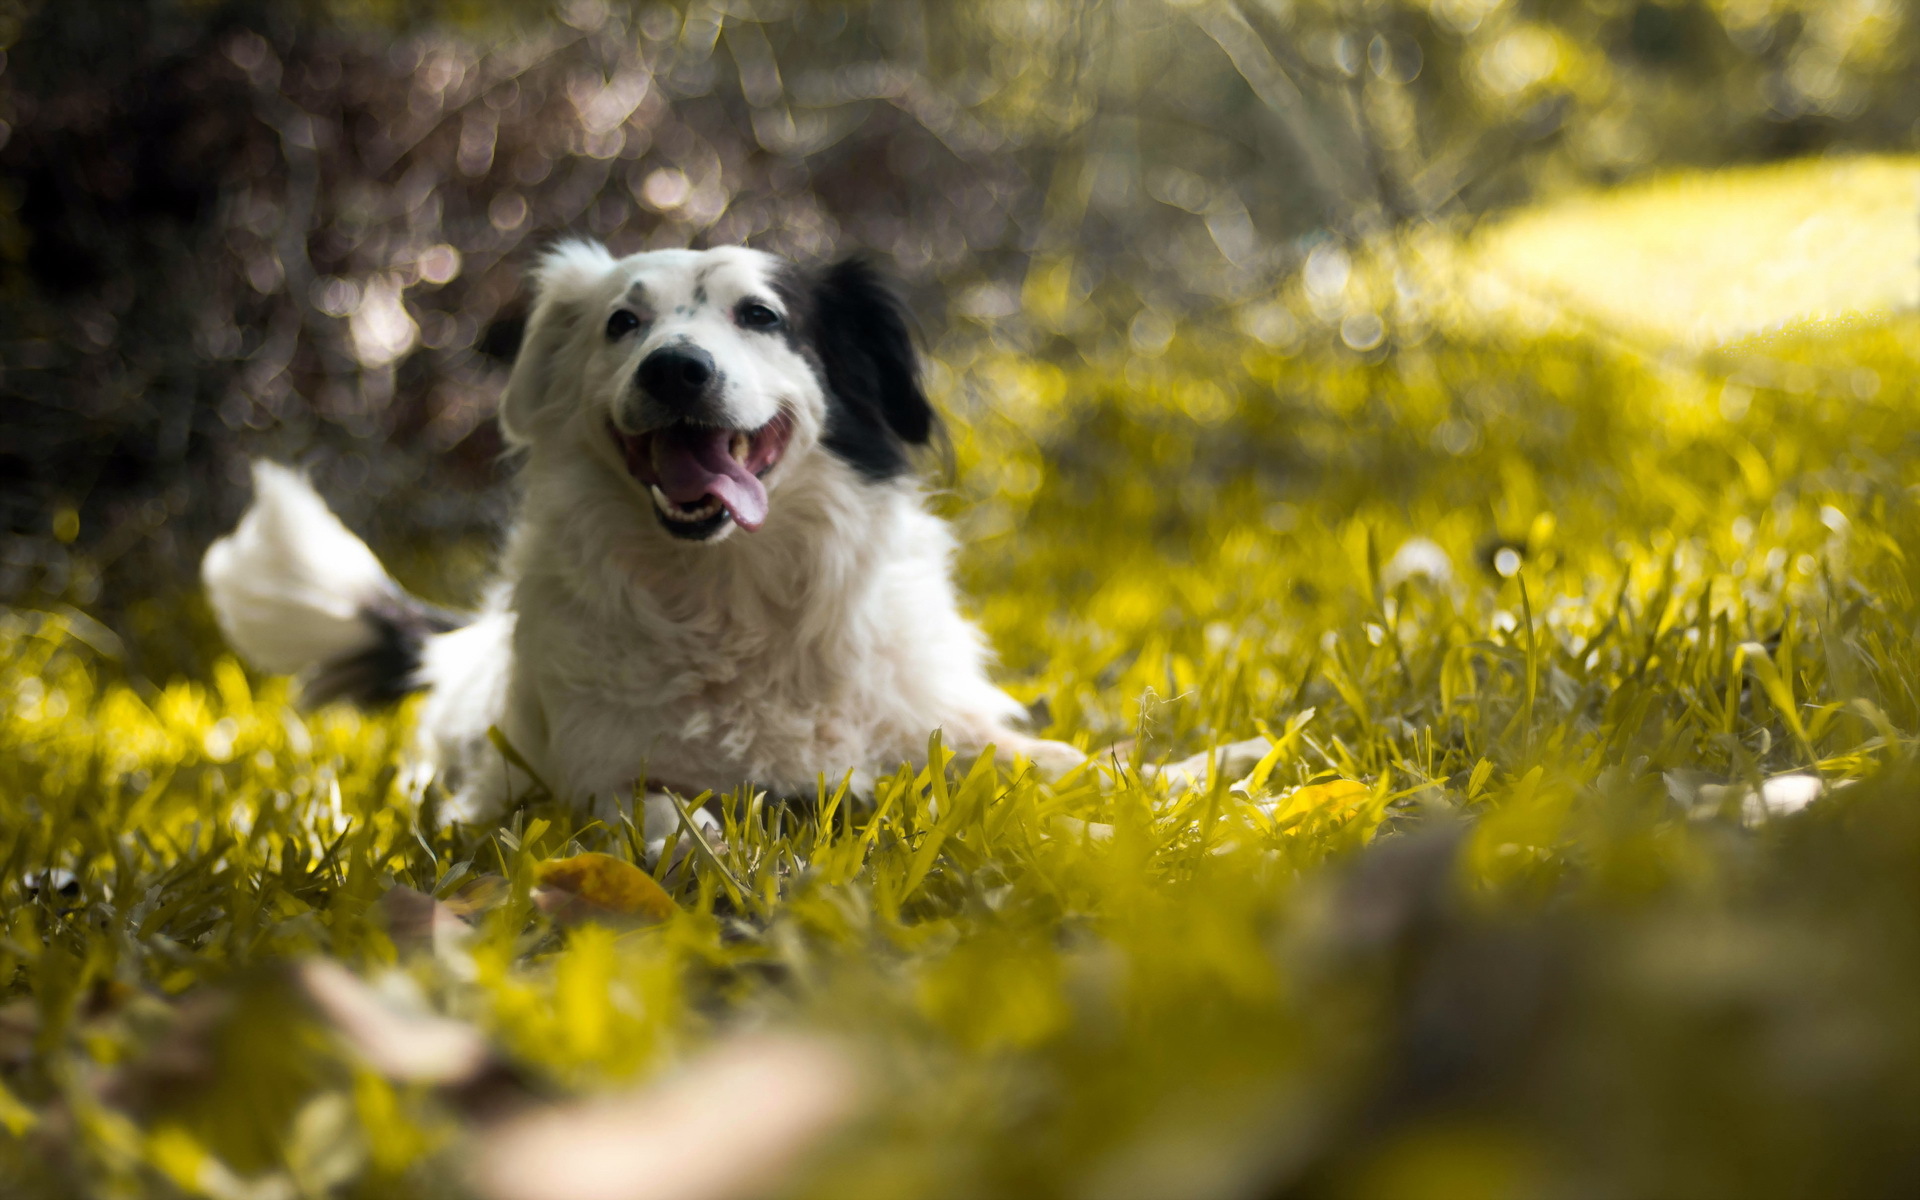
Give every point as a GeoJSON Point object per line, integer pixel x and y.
{"type": "Point", "coordinates": [693, 463]}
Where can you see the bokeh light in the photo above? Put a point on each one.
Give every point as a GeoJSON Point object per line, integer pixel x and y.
{"type": "Point", "coordinates": [1452, 460]}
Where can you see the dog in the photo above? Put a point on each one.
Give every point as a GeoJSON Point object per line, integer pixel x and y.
{"type": "Point", "coordinates": [722, 571]}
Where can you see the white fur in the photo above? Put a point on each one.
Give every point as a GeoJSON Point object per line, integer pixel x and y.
{"type": "Point", "coordinates": [288, 584]}
{"type": "Point", "coordinates": [829, 640]}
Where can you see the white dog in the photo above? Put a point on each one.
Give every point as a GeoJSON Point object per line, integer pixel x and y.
{"type": "Point", "coordinates": [722, 572]}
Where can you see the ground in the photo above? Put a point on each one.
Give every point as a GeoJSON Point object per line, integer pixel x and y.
{"type": "Point", "coordinates": [1582, 861]}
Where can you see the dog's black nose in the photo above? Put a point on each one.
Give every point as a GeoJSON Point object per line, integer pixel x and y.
{"type": "Point", "coordinates": [677, 376]}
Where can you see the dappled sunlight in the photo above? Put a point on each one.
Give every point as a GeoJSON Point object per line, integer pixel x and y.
{"type": "Point", "coordinates": [1701, 260]}
{"type": "Point", "coordinates": [1587, 655]}
{"type": "Point", "coordinates": [1449, 463]}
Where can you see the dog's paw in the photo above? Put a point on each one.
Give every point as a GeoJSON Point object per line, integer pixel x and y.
{"type": "Point", "coordinates": [1232, 760]}
{"type": "Point", "coordinates": [471, 804]}
{"type": "Point", "coordinates": [659, 820]}
{"type": "Point", "coordinates": [1052, 759]}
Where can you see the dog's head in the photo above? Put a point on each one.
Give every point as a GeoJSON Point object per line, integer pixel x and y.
{"type": "Point", "coordinates": [706, 378]}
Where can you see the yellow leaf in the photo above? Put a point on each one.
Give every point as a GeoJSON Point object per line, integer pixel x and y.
{"type": "Point", "coordinates": [1335, 798]}
{"type": "Point", "coordinates": [602, 882]}
{"type": "Point", "coordinates": [15, 1116]}
{"type": "Point", "coordinates": [180, 1157]}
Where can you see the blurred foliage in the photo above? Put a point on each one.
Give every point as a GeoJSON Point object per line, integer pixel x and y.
{"type": "Point", "coordinates": [1566, 561]}
{"type": "Point", "coordinates": [1553, 938]}
{"type": "Point", "coordinates": [298, 227]}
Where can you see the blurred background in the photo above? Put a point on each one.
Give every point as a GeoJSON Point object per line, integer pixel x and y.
{"type": "Point", "coordinates": [299, 227]}
{"type": "Point", "coordinates": [1505, 405]}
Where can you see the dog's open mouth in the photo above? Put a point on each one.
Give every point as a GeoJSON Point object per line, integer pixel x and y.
{"type": "Point", "coordinates": [702, 476]}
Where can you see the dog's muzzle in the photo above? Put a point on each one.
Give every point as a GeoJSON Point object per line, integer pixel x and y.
{"type": "Point", "coordinates": [702, 476]}
{"type": "Point", "coordinates": [680, 379]}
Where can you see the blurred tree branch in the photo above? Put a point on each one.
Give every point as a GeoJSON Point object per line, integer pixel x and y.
{"type": "Point", "coordinates": [298, 226]}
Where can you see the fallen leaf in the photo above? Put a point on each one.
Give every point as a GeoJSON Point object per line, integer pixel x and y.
{"type": "Point", "coordinates": [1780, 796]}
{"type": "Point", "coordinates": [477, 895]}
{"type": "Point", "coordinates": [414, 918]}
{"type": "Point", "coordinates": [1335, 798]}
{"type": "Point", "coordinates": [731, 1124]}
{"type": "Point", "coordinates": [179, 1056]}
{"type": "Point", "coordinates": [15, 1117]}
{"type": "Point", "coordinates": [19, 1029]}
{"type": "Point", "coordinates": [392, 1033]}
{"type": "Point", "coordinates": [1706, 797]}
{"type": "Point", "coordinates": [417, 921]}
{"type": "Point", "coordinates": [589, 885]}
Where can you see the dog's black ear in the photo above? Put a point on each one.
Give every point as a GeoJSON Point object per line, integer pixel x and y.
{"type": "Point", "coordinates": [859, 329]}
{"type": "Point", "coordinates": [541, 389]}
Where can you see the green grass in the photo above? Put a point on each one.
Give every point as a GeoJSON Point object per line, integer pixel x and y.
{"type": "Point", "coordinates": [1529, 955]}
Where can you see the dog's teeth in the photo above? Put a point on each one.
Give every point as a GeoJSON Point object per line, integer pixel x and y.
{"type": "Point", "coordinates": [709, 507]}
{"type": "Point", "coordinates": [739, 446]}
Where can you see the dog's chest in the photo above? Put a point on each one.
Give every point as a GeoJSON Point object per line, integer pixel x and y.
{"type": "Point", "coordinates": [702, 703]}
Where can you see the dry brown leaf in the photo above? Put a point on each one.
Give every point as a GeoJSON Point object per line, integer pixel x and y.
{"type": "Point", "coordinates": [593, 885]}
{"type": "Point", "coordinates": [732, 1124]}
{"type": "Point", "coordinates": [19, 1028]}
{"type": "Point", "coordinates": [399, 1040]}
{"type": "Point", "coordinates": [416, 919]}
{"type": "Point", "coordinates": [477, 895]}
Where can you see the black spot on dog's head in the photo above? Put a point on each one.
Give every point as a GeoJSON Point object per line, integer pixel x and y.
{"type": "Point", "coordinates": [855, 328]}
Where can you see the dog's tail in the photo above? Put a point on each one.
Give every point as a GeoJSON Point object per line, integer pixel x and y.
{"type": "Point", "coordinates": [295, 592]}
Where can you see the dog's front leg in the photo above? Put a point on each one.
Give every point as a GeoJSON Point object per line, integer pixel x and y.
{"type": "Point", "coordinates": [1052, 759]}
{"type": "Point", "coordinates": [659, 819]}
{"type": "Point", "coordinates": [490, 782]}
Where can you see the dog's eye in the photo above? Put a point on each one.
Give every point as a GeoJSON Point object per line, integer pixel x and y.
{"type": "Point", "coordinates": [758, 316]}
{"type": "Point", "coordinates": [620, 324]}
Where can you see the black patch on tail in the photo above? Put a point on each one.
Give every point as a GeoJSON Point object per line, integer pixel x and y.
{"type": "Point", "coordinates": [389, 669]}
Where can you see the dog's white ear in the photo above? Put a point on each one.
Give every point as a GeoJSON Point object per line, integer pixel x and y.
{"type": "Point", "coordinates": [540, 389]}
